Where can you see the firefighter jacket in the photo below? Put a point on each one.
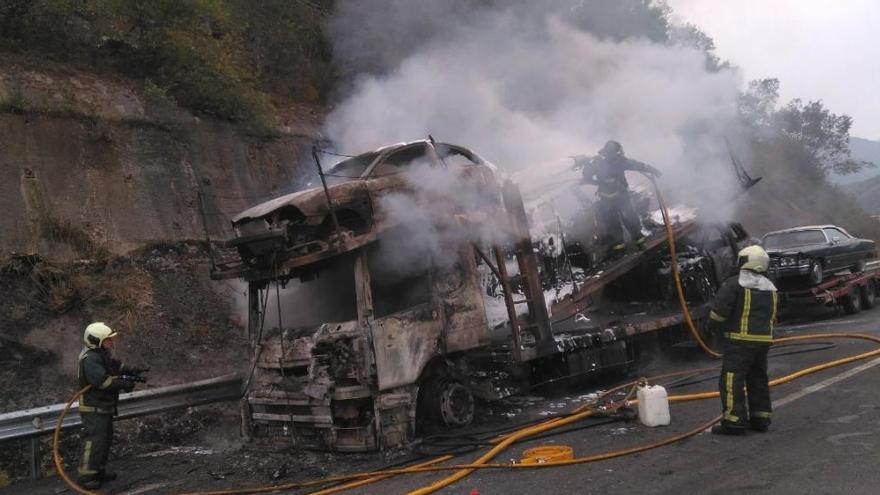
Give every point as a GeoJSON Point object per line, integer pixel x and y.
{"type": "Point", "coordinates": [98, 369]}
{"type": "Point", "coordinates": [609, 173]}
{"type": "Point", "coordinates": [745, 308]}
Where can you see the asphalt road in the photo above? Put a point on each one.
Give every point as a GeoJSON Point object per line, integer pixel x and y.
{"type": "Point", "coordinates": [824, 440]}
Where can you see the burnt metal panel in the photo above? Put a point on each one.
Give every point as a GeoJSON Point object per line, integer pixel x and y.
{"type": "Point", "coordinates": [404, 343]}
{"type": "Point", "coordinates": [458, 289]}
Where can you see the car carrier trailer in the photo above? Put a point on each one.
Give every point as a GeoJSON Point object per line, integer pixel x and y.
{"type": "Point", "coordinates": [850, 291]}
{"type": "Point", "coordinates": [351, 355]}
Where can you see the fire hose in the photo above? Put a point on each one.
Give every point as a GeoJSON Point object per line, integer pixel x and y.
{"type": "Point", "coordinates": [676, 275]}
{"type": "Point", "coordinates": [356, 480]}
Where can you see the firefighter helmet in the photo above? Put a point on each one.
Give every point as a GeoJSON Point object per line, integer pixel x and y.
{"type": "Point", "coordinates": [753, 258]}
{"type": "Point", "coordinates": [96, 334]}
{"type": "Point", "coordinates": [611, 148]}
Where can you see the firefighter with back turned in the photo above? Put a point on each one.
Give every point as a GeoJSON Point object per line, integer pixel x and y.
{"type": "Point", "coordinates": [744, 312]}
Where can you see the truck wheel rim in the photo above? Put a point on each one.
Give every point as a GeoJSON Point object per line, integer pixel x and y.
{"type": "Point", "coordinates": [456, 404]}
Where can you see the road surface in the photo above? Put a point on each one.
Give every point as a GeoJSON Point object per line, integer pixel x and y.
{"type": "Point", "coordinates": [825, 438]}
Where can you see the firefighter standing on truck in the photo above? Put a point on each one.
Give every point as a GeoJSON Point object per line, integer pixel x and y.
{"type": "Point", "coordinates": [744, 310]}
{"type": "Point", "coordinates": [608, 172]}
{"type": "Point", "coordinates": [97, 406]}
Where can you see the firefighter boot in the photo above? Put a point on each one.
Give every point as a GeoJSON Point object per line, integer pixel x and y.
{"type": "Point", "coordinates": [106, 476]}
{"type": "Point", "coordinates": [89, 482]}
{"type": "Point", "coordinates": [728, 429]}
{"type": "Point", "coordinates": [760, 425]}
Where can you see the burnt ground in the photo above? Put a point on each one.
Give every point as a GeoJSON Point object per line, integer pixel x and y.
{"type": "Point", "coordinates": [182, 458]}
{"type": "Point", "coordinates": [170, 316]}
{"type": "Point", "coordinates": [185, 328]}
{"type": "Point", "coordinates": [817, 429]}
{"type": "Point", "coordinates": [202, 450]}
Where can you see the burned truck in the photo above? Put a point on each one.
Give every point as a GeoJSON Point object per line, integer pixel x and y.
{"type": "Point", "coordinates": [410, 288]}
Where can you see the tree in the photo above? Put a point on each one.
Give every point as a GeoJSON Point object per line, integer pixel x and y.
{"type": "Point", "coordinates": [691, 36]}
{"type": "Point", "coordinates": [820, 137]}
{"type": "Point", "coordinates": [823, 134]}
{"type": "Point", "coordinates": [622, 19]}
{"type": "Point", "coordinates": [757, 105]}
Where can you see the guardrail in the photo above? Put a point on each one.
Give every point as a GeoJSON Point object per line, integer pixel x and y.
{"type": "Point", "coordinates": [32, 423]}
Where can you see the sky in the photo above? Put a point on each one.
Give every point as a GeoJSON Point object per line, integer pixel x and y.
{"type": "Point", "coordinates": [818, 49]}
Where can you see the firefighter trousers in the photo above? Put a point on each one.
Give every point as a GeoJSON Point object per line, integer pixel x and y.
{"type": "Point", "coordinates": [744, 385]}
{"type": "Point", "coordinates": [97, 435]}
{"type": "Point", "coordinates": [614, 211]}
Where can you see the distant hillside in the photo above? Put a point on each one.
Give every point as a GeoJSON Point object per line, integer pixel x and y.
{"type": "Point", "coordinates": [862, 149]}
{"type": "Point", "coordinates": [865, 185]}
{"type": "Point", "coordinates": [867, 193]}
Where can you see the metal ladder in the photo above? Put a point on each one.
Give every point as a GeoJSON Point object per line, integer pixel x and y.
{"type": "Point", "coordinates": [537, 321]}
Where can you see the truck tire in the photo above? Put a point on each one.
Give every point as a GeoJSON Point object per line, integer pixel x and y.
{"type": "Point", "coordinates": [456, 403]}
{"type": "Point", "coordinates": [443, 400]}
{"type": "Point", "coordinates": [852, 302]}
{"type": "Point", "coordinates": [869, 295]}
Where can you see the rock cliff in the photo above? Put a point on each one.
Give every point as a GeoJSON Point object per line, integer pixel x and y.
{"type": "Point", "coordinates": [91, 164]}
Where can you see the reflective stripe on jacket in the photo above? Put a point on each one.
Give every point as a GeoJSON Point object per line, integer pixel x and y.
{"type": "Point", "coordinates": [745, 313]}
{"type": "Point", "coordinates": [98, 369]}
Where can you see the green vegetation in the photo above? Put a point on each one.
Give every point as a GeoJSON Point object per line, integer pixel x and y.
{"type": "Point", "coordinates": [228, 58]}
{"type": "Point", "coordinates": [219, 57]}
{"type": "Point", "coordinates": [796, 147]}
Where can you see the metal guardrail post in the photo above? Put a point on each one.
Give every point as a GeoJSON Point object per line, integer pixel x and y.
{"type": "Point", "coordinates": [35, 422]}
{"type": "Point", "coordinates": [35, 458]}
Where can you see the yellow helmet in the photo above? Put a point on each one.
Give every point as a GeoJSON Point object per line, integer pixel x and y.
{"type": "Point", "coordinates": [754, 258]}
{"type": "Point", "coordinates": [96, 333]}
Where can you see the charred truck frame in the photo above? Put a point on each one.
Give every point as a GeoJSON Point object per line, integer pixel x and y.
{"type": "Point", "coordinates": [380, 352]}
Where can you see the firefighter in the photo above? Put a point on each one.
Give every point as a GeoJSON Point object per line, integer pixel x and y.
{"type": "Point", "coordinates": [98, 405]}
{"type": "Point", "coordinates": [608, 172]}
{"type": "Point", "coordinates": [744, 310]}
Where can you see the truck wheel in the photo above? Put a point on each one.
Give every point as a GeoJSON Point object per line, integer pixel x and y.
{"type": "Point", "coordinates": [852, 303]}
{"type": "Point", "coordinates": [869, 295]}
{"type": "Point", "coordinates": [455, 403]}
{"type": "Point", "coordinates": [816, 276]}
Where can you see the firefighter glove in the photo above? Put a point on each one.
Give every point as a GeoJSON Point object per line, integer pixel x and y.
{"type": "Point", "coordinates": [653, 171]}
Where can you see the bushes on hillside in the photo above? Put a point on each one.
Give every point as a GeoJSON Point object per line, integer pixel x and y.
{"type": "Point", "coordinates": [214, 56]}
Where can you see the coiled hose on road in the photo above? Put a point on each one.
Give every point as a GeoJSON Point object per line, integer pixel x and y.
{"type": "Point", "coordinates": [355, 480]}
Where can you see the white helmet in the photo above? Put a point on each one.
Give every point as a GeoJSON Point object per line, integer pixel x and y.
{"type": "Point", "coordinates": [754, 258]}
{"type": "Point", "coordinates": [96, 333]}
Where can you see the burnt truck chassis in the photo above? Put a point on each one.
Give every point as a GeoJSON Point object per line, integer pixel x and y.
{"type": "Point", "coordinates": [368, 383]}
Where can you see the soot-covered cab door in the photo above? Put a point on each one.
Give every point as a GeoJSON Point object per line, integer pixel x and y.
{"type": "Point", "coordinates": [406, 325]}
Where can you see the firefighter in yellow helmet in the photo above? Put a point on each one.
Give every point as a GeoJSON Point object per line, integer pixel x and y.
{"type": "Point", "coordinates": [744, 310]}
{"type": "Point", "coordinates": [97, 406]}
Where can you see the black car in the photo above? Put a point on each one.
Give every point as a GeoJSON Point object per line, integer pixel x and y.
{"type": "Point", "coordinates": [813, 252]}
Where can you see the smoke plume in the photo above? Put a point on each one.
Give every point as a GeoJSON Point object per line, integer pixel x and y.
{"type": "Point", "coordinates": [435, 217]}
{"type": "Point", "coordinates": [526, 89]}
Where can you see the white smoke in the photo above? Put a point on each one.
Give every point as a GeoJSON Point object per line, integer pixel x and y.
{"type": "Point", "coordinates": [440, 211]}
{"type": "Point", "coordinates": [525, 94]}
